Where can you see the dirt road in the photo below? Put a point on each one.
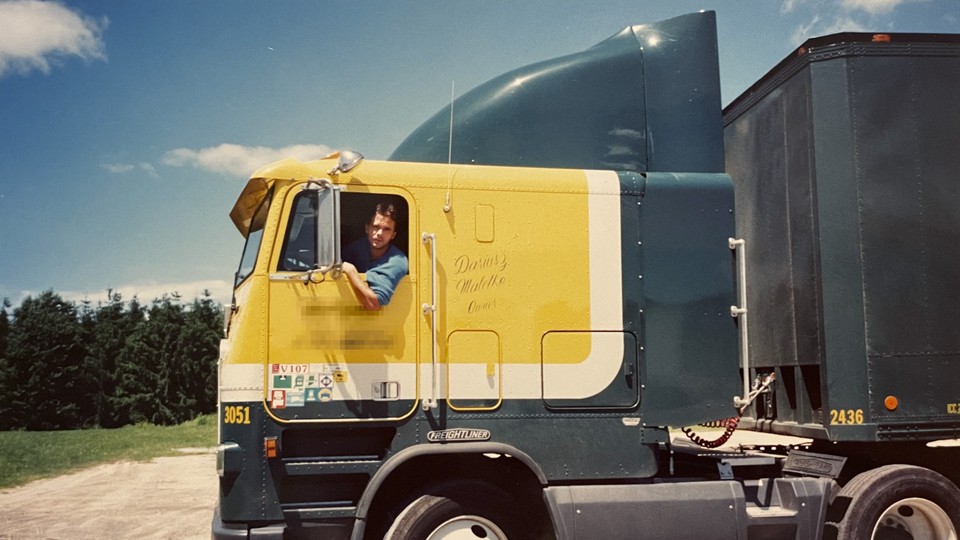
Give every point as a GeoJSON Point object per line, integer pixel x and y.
{"type": "Point", "coordinates": [165, 498]}
{"type": "Point", "coordinates": [169, 497]}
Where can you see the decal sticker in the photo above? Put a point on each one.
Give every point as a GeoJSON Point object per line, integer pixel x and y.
{"type": "Point", "coordinates": [289, 369]}
{"type": "Point", "coordinates": [458, 435]}
{"type": "Point", "coordinates": [295, 385]}
{"type": "Point", "coordinates": [295, 399]}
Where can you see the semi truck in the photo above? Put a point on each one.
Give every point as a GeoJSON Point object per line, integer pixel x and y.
{"type": "Point", "coordinates": [600, 255]}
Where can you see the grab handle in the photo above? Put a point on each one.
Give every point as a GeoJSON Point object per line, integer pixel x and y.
{"type": "Point", "coordinates": [431, 309]}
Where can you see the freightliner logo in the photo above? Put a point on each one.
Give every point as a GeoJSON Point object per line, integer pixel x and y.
{"type": "Point", "coordinates": [458, 435]}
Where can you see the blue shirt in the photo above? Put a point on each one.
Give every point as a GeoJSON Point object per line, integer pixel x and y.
{"type": "Point", "coordinates": [383, 274]}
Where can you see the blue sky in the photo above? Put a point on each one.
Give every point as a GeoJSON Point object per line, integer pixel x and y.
{"type": "Point", "coordinates": [128, 128]}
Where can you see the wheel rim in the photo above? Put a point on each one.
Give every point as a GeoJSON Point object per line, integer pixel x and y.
{"type": "Point", "coordinates": [916, 518]}
{"type": "Point", "coordinates": [467, 528]}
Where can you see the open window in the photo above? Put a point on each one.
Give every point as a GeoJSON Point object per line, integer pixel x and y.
{"type": "Point", "coordinates": [299, 253]}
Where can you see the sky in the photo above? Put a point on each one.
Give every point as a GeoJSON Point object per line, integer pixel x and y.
{"type": "Point", "coordinates": [128, 128]}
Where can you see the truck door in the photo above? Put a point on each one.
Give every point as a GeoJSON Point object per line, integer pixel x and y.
{"type": "Point", "coordinates": [328, 358]}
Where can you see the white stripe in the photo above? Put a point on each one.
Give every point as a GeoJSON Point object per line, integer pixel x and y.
{"type": "Point", "coordinates": [603, 364]}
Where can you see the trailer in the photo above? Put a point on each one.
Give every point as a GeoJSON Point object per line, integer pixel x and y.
{"type": "Point", "coordinates": [598, 255]}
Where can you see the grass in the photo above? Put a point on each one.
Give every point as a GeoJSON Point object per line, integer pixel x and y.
{"type": "Point", "coordinates": [30, 455]}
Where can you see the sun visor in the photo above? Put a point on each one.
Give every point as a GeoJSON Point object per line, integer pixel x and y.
{"type": "Point", "coordinates": [248, 202]}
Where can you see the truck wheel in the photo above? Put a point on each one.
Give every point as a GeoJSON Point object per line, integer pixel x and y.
{"type": "Point", "coordinates": [461, 510]}
{"type": "Point", "coordinates": [894, 502]}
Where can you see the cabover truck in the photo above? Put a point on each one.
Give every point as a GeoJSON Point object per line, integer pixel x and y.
{"type": "Point", "coordinates": [598, 253]}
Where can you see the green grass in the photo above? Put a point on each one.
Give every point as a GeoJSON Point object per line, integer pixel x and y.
{"type": "Point", "coordinates": [29, 455]}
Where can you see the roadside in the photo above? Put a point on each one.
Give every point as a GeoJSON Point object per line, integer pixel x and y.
{"type": "Point", "coordinates": [165, 498]}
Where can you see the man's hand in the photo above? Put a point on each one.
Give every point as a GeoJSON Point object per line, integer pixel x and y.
{"type": "Point", "coordinates": [368, 299]}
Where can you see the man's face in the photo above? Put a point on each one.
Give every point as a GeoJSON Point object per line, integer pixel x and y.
{"type": "Point", "coordinates": [381, 231]}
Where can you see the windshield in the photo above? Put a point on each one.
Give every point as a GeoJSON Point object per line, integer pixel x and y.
{"type": "Point", "coordinates": [250, 250]}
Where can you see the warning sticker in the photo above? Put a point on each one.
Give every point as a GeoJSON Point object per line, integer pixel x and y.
{"type": "Point", "coordinates": [278, 399]}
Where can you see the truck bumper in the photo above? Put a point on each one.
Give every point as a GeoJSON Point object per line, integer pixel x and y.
{"type": "Point", "coordinates": [229, 531]}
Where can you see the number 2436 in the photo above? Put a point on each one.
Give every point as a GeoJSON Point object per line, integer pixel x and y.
{"type": "Point", "coordinates": [848, 416]}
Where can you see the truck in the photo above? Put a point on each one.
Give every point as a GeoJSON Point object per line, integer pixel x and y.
{"type": "Point", "coordinates": [601, 258]}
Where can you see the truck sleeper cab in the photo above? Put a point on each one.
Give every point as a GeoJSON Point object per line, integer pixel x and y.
{"type": "Point", "coordinates": [515, 330]}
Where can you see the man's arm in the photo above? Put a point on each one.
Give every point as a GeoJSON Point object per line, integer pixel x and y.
{"type": "Point", "coordinates": [368, 299]}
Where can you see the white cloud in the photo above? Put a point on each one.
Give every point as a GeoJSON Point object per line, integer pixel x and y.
{"type": "Point", "coordinates": [875, 6]}
{"type": "Point", "coordinates": [832, 16]}
{"type": "Point", "coordinates": [34, 35]}
{"type": "Point", "coordinates": [118, 168]}
{"type": "Point", "coordinates": [123, 168]}
{"type": "Point", "coordinates": [220, 291]}
{"type": "Point", "coordinates": [789, 5]}
{"type": "Point", "coordinates": [237, 160]}
{"type": "Point", "coordinates": [823, 27]}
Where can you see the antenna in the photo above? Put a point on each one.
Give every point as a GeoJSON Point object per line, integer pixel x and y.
{"type": "Point", "coordinates": [447, 206]}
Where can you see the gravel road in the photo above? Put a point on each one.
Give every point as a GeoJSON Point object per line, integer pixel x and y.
{"type": "Point", "coordinates": [170, 497]}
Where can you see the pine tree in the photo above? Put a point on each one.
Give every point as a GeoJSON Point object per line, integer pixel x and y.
{"type": "Point", "coordinates": [49, 382]}
{"type": "Point", "coordinates": [6, 370]}
{"type": "Point", "coordinates": [199, 350]}
{"type": "Point", "coordinates": [144, 375]}
{"type": "Point", "coordinates": [113, 323]}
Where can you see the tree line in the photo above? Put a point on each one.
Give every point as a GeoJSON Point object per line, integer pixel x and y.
{"type": "Point", "coordinates": [69, 366]}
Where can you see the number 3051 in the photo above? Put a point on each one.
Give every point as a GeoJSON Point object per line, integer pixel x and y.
{"type": "Point", "coordinates": [236, 415]}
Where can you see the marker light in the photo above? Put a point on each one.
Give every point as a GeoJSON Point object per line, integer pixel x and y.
{"type": "Point", "coordinates": [881, 38]}
{"type": "Point", "coordinates": [891, 403]}
{"type": "Point", "coordinates": [270, 447]}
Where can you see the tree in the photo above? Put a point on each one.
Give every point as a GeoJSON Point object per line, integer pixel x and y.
{"type": "Point", "coordinates": [199, 350]}
{"type": "Point", "coordinates": [64, 367]}
{"type": "Point", "coordinates": [48, 381]}
{"type": "Point", "coordinates": [6, 370]}
{"type": "Point", "coordinates": [145, 381]}
{"type": "Point", "coordinates": [4, 325]}
{"type": "Point", "coordinates": [112, 325]}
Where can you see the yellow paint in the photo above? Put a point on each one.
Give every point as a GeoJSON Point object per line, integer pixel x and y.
{"type": "Point", "coordinates": [474, 374]}
{"type": "Point", "coordinates": [485, 226]}
{"type": "Point", "coordinates": [513, 266]}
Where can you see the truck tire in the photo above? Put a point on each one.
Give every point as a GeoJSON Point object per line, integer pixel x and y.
{"type": "Point", "coordinates": [895, 501]}
{"type": "Point", "coordinates": [467, 509]}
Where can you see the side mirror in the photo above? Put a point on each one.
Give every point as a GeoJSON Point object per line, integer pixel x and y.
{"type": "Point", "coordinates": [328, 225]}
{"type": "Point", "coordinates": [346, 161]}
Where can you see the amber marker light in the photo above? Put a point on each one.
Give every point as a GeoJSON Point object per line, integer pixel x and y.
{"type": "Point", "coordinates": [270, 447]}
{"type": "Point", "coordinates": [891, 403]}
{"type": "Point", "coordinates": [881, 38]}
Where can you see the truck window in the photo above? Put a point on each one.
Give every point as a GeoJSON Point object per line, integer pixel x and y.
{"type": "Point", "coordinates": [299, 244]}
{"type": "Point", "coordinates": [252, 246]}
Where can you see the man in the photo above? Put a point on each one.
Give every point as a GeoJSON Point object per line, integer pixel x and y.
{"type": "Point", "coordinates": [373, 254]}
